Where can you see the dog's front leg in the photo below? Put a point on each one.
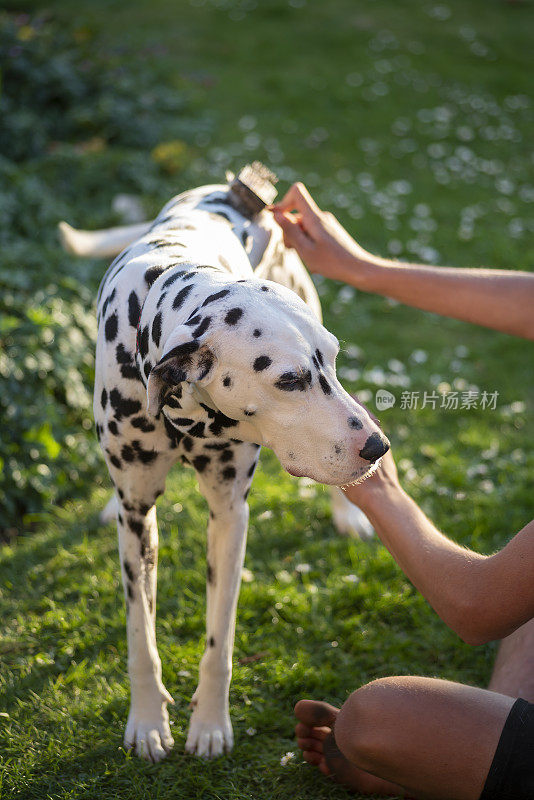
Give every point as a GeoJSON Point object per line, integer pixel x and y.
{"type": "Point", "coordinates": [225, 486]}
{"type": "Point", "coordinates": [147, 729]}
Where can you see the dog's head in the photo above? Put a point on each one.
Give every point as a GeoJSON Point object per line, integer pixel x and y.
{"type": "Point", "coordinates": [260, 357]}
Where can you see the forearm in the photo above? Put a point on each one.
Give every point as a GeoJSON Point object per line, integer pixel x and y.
{"type": "Point", "coordinates": [498, 299]}
{"type": "Point", "coordinates": [440, 569]}
{"type": "Point", "coordinates": [480, 597]}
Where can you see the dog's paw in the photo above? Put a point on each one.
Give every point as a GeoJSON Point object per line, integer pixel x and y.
{"type": "Point", "coordinates": [149, 735]}
{"type": "Point", "coordinates": [348, 518]}
{"type": "Point", "coordinates": [209, 736]}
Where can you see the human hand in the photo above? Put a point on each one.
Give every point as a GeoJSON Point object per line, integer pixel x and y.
{"type": "Point", "coordinates": [317, 236]}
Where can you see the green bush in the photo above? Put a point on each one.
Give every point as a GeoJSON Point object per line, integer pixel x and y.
{"type": "Point", "coordinates": [60, 108]}
{"type": "Point", "coordinates": [57, 88]}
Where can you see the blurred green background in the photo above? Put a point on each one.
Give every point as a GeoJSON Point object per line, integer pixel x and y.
{"type": "Point", "coordinates": [413, 123]}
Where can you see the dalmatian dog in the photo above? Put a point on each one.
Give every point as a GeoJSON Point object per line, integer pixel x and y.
{"type": "Point", "coordinates": [210, 346]}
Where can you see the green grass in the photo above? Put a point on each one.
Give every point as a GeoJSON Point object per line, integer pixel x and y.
{"type": "Point", "coordinates": [273, 82]}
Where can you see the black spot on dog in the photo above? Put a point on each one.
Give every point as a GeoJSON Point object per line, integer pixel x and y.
{"type": "Point", "coordinates": [143, 342]}
{"type": "Point", "coordinates": [161, 299]}
{"type": "Point", "coordinates": [181, 296]}
{"type": "Point", "coordinates": [156, 329]}
{"type": "Point", "coordinates": [228, 473]}
{"type": "Point", "coordinates": [315, 362]}
{"type": "Point", "coordinates": [174, 435]}
{"type": "Point", "coordinates": [122, 406]}
{"type": "Point", "coordinates": [209, 573]}
{"type": "Point", "coordinates": [261, 363]}
{"type": "Point", "coordinates": [153, 273]}
{"type": "Point", "coordinates": [338, 449]}
{"type": "Point", "coordinates": [129, 571]}
{"type": "Point", "coordinates": [248, 413]}
{"type": "Point", "coordinates": [131, 372]}
{"type": "Point", "coordinates": [120, 493]}
{"type": "Point", "coordinates": [125, 359]}
{"type": "Point", "coordinates": [264, 288]}
{"type": "Point", "coordinates": [256, 332]}
{"type": "Point", "coordinates": [197, 430]}
{"type": "Point", "coordinates": [144, 456]}
{"type": "Point", "coordinates": [188, 444]}
{"type": "Point", "coordinates": [130, 591]}
{"type": "Point", "coordinates": [233, 316]}
{"type": "Point", "coordinates": [325, 386]}
{"type": "Point", "coordinates": [202, 328]}
{"type": "Point", "coordinates": [104, 398]}
{"type": "Point", "coordinates": [217, 446]}
{"type": "Point", "coordinates": [251, 469]}
{"type": "Point", "coordinates": [211, 641]}
{"type": "Point", "coordinates": [120, 518]}
{"type": "Point", "coordinates": [122, 355]}
{"type": "Point", "coordinates": [355, 423]}
{"type": "Point", "coordinates": [221, 421]}
{"type": "Point", "coordinates": [147, 369]}
{"type": "Point", "coordinates": [201, 462]}
{"type": "Point", "coordinates": [182, 421]}
{"type": "Point", "coordinates": [217, 296]}
{"type": "Point", "coordinates": [134, 310]}
{"type": "Point", "coordinates": [143, 424]}
{"type": "Point", "coordinates": [136, 526]}
{"type": "Point", "coordinates": [113, 427]}
{"type": "Point", "coordinates": [111, 327]}
{"type": "Point", "coordinates": [192, 321]}
{"type": "Point", "coordinates": [127, 453]}
{"type": "Point", "coordinates": [172, 400]}
{"type": "Point", "coordinates": [107, 301]}
{"type": "Point", "coordinates": [247, 492]}
{"type": "Point", "coordinates": [182, 352]}
{"type": "Point", "coordinates": [173, 278]}
{"type": "Point", "coordinates": [226, 455]}
{"type": "Point", "coordinates": [319, 357]}
{"type": "Point", "coordinates": [227, 381]}
{"type": "Point", "coordinates": [144, 509]}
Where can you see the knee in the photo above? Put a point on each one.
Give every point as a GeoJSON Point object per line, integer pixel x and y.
{"type": "Point", "coordinates": [362, 731]}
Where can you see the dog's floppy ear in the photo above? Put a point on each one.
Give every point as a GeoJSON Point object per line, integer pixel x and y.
{"type": "Point", "coordinates": [184, 359]}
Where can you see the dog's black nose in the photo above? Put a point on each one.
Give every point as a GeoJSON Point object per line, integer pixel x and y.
{"type": "Point", "coordinates": [375, 447]}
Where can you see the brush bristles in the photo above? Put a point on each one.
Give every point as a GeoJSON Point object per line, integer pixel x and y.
{"type": "Point", "coordinates": [253, 188]}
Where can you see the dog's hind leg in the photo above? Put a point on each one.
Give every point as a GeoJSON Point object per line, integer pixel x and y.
{"type": "Point", "coordinates": [224, 482]}
{"type": "Point", "coordinates": [100, 244]}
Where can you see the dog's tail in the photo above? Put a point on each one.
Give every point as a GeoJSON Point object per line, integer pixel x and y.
{"type": "Point", "coordinates": [100, 244]}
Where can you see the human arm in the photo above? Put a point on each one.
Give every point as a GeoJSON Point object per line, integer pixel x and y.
{"type": "Point", "coordinates": [498, 299]}
{"type": "Point", "coordinates": [480, 597]}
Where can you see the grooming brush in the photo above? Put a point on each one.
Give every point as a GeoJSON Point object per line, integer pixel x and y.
{"type": "Point", "coordinates": [252, 189]}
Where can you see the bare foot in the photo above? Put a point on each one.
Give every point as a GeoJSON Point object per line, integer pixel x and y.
{"type": "Point", "coordinates": [316, 740]}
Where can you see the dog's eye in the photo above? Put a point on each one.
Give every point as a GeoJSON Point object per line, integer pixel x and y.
{"type": "Point", "coordinates": [292, 382]}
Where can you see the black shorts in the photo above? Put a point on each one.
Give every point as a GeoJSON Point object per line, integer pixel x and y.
{"type": "Point", "coordinates": [511, 775]}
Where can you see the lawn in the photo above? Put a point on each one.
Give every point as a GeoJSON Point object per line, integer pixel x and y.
{"type": "Point", "coordinates": [412, 122]}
